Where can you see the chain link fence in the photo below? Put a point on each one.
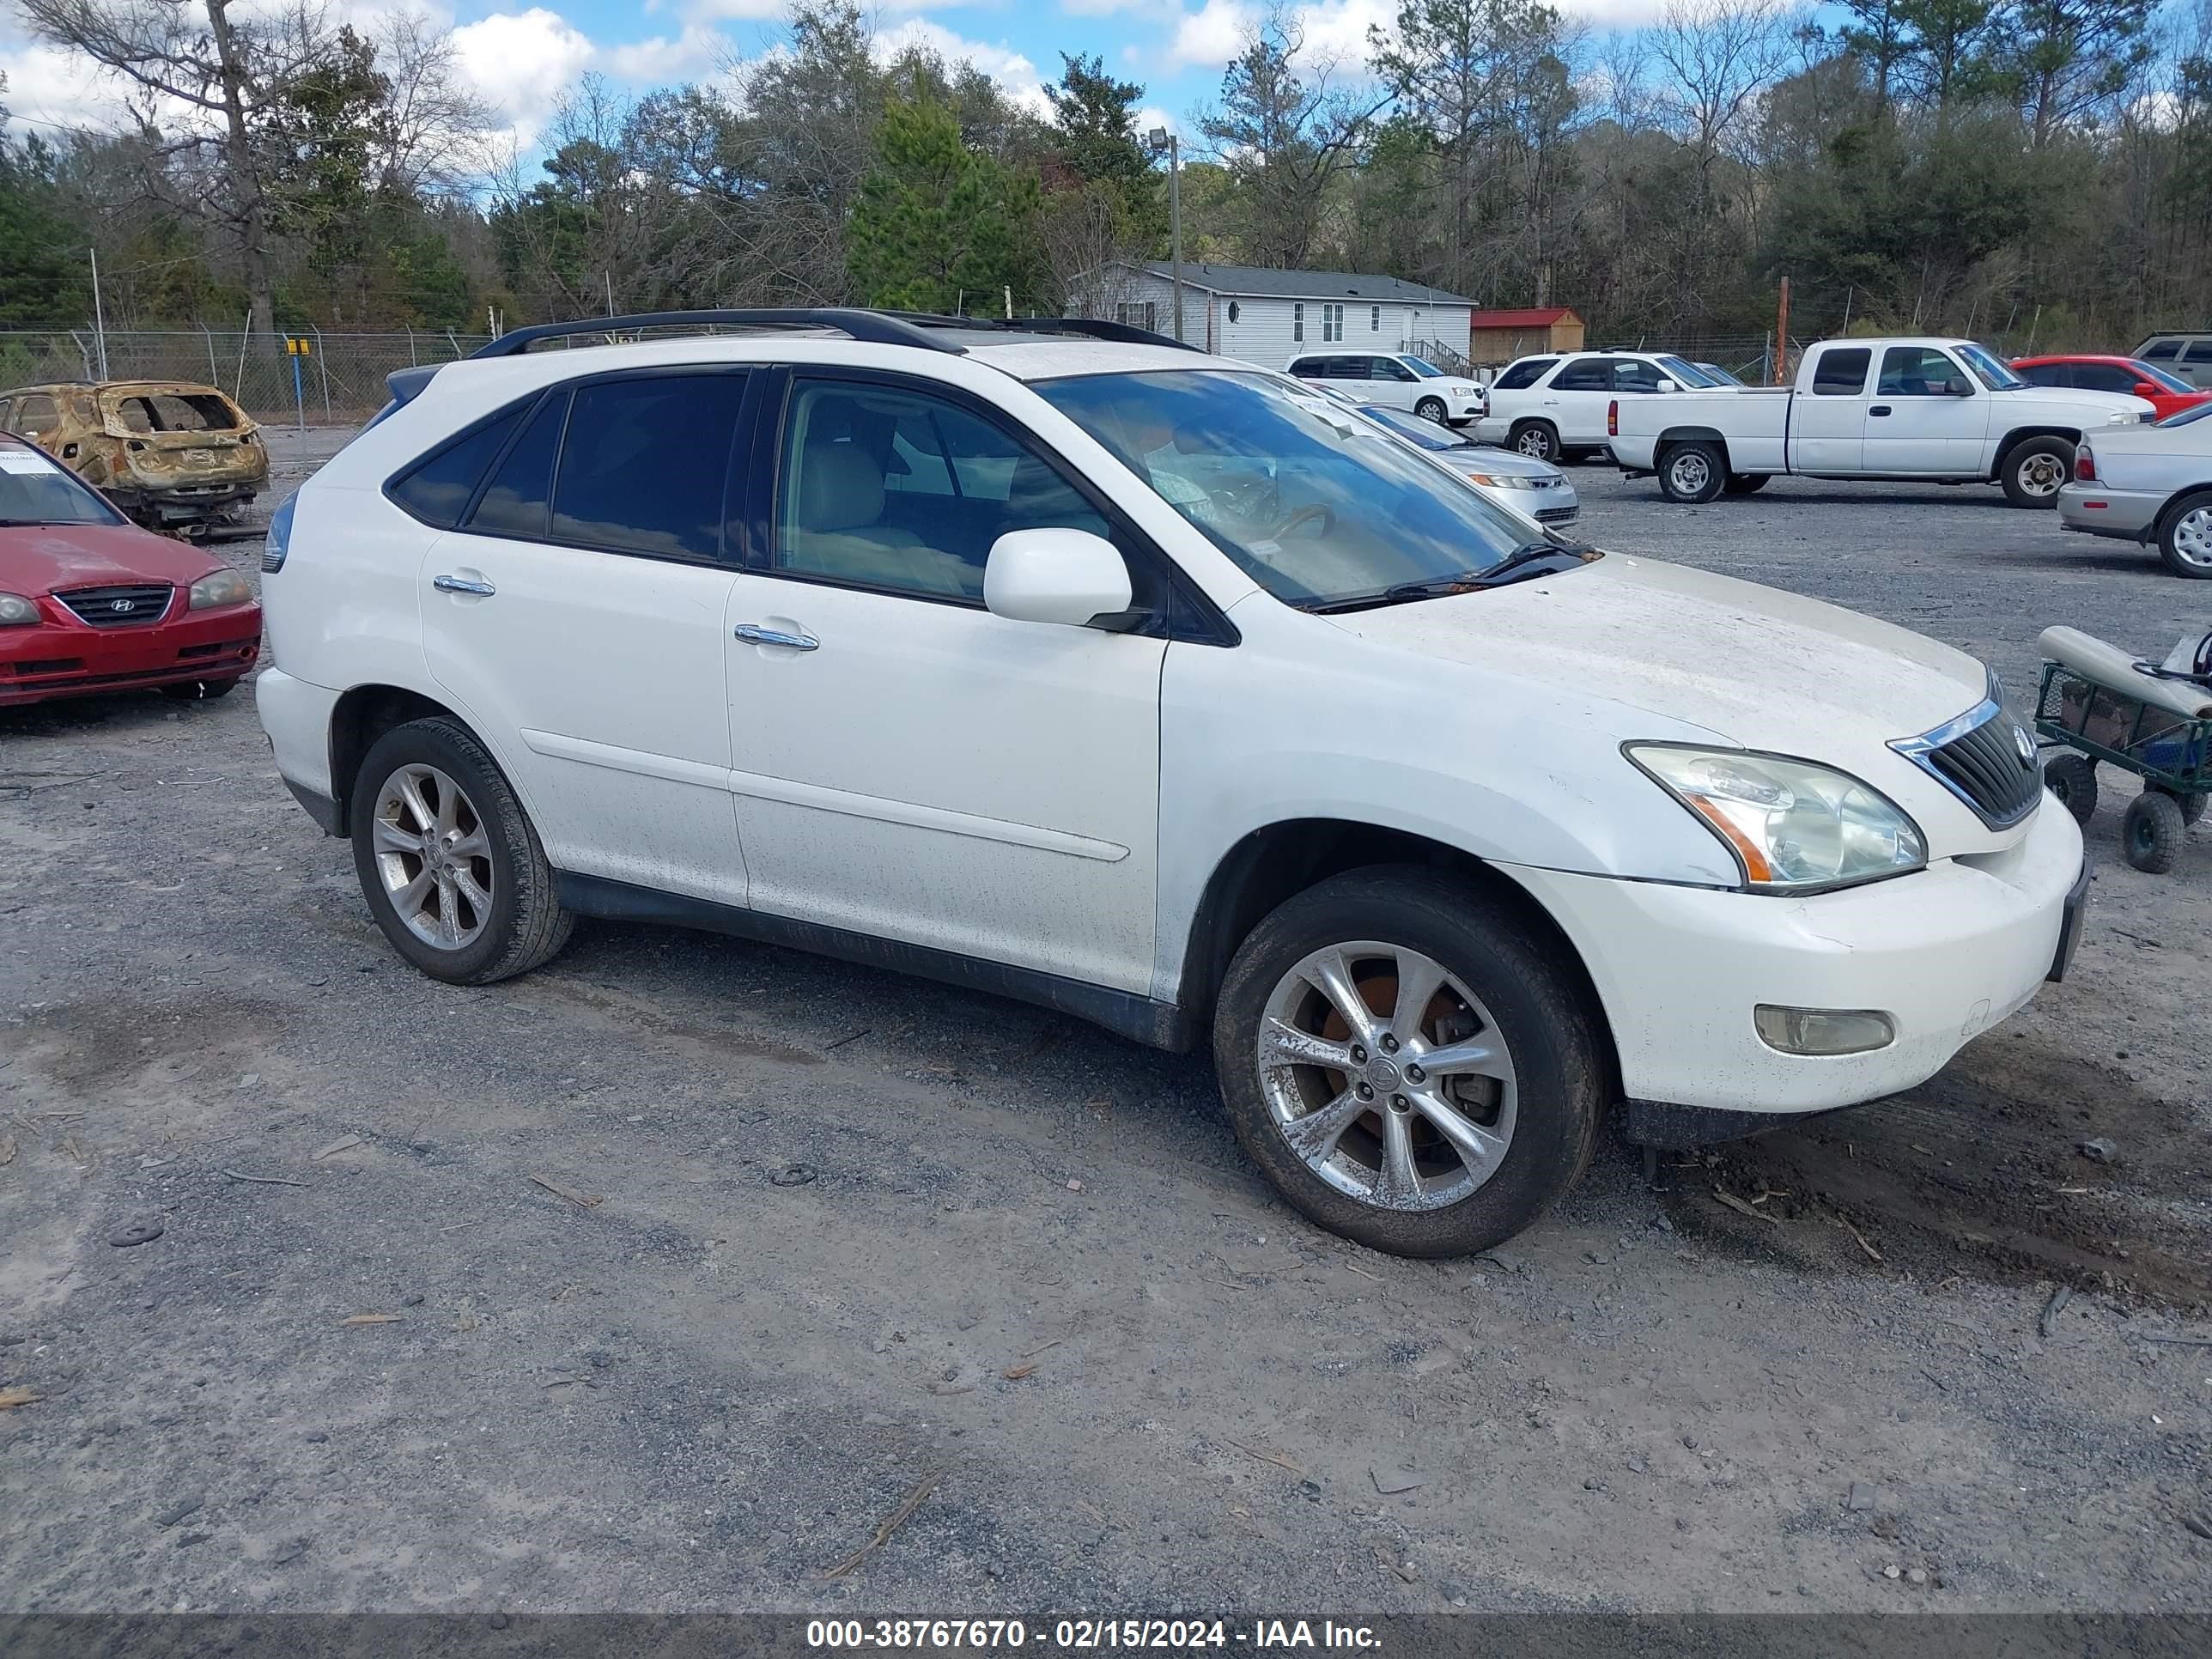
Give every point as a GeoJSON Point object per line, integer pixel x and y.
{"type": "Point", "coordinates": [340, 380]}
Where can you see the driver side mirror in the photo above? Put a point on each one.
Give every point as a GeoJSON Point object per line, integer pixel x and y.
{"type": "Point", "coordinates": [1957, 388]}
{"type": "Point", "coordinates": [1664, 384]}
{"type": "Point", "coordinates": [2145, 389]}
{"type": "Point", "coordinates": [1055, 576]}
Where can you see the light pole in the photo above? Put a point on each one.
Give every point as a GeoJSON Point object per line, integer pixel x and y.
{"type": "Point", "coordinates": [1162, 139]}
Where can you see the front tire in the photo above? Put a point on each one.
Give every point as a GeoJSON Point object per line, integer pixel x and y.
{"type": "Point", "coordinates": [1430, 409]}
{"type": "Point", "coordinates": [1407, 1062]}
{"type": "Point", "coordinates": [447, 859]}
{"type": "Point", "coordinates": [2184, 536]}
{"type": "Point", "coordinates": [2036, 471]}
{"type": "Point", "coordinates": [1692, 473]}
{"type": "Point", "coordinates": [1537, 440]}
{"type": "Point", "coordinates": [2073, 779]}
{"type": "Point", "coordinates": [2153, 831]}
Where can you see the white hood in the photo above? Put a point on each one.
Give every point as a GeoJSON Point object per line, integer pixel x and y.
{"type": "Point", "coordinates": [2092, 411]}
{"type": "Point", "coordinates": [1756, 667]}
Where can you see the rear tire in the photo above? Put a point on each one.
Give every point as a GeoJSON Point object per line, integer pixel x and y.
{"type": "Point", "coordinates": [447, 859]}
{"type": "Point", "coordinates": [2037, 470]}
{"type": "Point", "coordinates": [1522, 1089]}
{"type": "Point", "coordinates": [1538, 439]}
{"type": "Point", "coordinates": [1430, 409]}
{"type": "Point", "coordinates": [200, 690]}
{"type": "Point", "coordinates": [2184, 536]}
{"type": "Point", "coordinates": [1692, 473]}
{"type": "Point", "coordinates": [2073, 779]}
{"type": "Point", "coordinates": [2151, 833]}
{"type": "Point", "coordinates": [1745, 483]}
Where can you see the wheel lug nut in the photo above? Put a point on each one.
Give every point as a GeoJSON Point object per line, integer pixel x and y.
{"type": "Point", "coordinates": [1415, 1074]}
{"type": "Point", "coordinates": [1358, 1055]}
{"type": "Point", "coordinates": [1398, 1103]}
{"type": "Point", "coordinates": [1366, 1092]}
{"type": "Point", "coordinates": [1389, 1043]}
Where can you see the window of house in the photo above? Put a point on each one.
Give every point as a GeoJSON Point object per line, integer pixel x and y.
{"type": "Point", "coordinates": [1143, 315]}
{"type": "Point", "coordinates": [1332, 322]}
{"type": "Point", "coordinates": [903, 492]}
{"type": "Point", "coordinates": [1375, 319]}
{"type": "Point", "coordinates": [1842, 373]}
{"type": "Point", "coordinates": [1298, 322]}
{"type": "Point", "coordinates": [1235, 310]}
{"type": "Point", "coordinates": [643, 468]}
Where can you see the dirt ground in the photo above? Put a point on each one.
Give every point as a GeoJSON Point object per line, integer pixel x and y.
{"type": "Point", "coordinates": [657, 1281]}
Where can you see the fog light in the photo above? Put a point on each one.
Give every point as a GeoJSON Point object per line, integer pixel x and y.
{"type": "Point", "coordinates": [1823, 1030]}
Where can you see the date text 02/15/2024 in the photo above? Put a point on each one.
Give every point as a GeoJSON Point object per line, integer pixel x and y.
{"type": "Point", "coordinates": [1092, 1635]}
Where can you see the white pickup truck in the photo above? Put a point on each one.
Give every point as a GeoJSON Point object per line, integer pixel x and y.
{"type": "Point", "coordinates": [1942, 412]}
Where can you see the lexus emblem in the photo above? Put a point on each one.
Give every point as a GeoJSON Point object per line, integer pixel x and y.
{"type": "Point", "coordinates": [2025, 744]}
{"type": "Point", "coordinates": [123, 607]}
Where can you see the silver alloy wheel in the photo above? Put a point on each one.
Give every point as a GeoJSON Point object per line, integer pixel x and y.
{"type": "Point", "coordinates": [2192, 537]}
{"type": "Point", "coordinates": [2041, 474]}
{"type": "Point", "coordinates": [1387, 1076]}
{"type": "Point", "coordinates": [1534, 442]}
{"type": "Point", "coordinates": [1689, 472]}
{"type": "Point", "coordinates": [434, 858]}
{"type": "Point", "coordinates": [1430, 409]}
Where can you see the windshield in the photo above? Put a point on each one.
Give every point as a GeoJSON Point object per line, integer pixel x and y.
{"type": "Point", "coordinates": [2182, 418]}
{"type": "Point", "coordinates": [33, 490]}
{"type": "Point", "coordinates": [1424, 368]}
{"type": "Point", "coordinates": [1686, 374]}
{"type": "Point", "coordinates": [1721, 376]}
{"type": "Point", "coordinates": [1308, 502]}
{"type": "Point", "coordinates": [2158, 376]}
{"type": "Point", "coordinates": [1988, 370]}
{"type": "Point", "coordinates": [1414, 429]}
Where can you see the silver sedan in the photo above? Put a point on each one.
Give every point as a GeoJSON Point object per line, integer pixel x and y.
{"type": "Point", "coordinates": [2149, 484]}
{"type": "Point", "coordinates": [1536, 489]}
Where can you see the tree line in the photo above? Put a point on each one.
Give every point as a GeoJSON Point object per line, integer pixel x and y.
{"type": "Point", "coordinates": [2004, 167]}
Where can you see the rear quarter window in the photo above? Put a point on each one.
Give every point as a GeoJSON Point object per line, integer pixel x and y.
{"type": "Point", "coordinates": [437, 489]}
{"type": "Point", "coordinates": [1524, 374]}
{"type": "Point", "coordinates": [2159, 352]}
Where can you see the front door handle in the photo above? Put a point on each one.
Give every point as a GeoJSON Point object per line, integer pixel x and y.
{"type": "Point", "coordinates": [463, 584]}
{"type": "Point", "coordinates": [1879, 409]}
{"type": "Point", "coordinates": [754, 634]}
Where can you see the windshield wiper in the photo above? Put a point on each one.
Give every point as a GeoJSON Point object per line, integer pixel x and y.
{"type": "Point", "coordinates": [1517, 566]}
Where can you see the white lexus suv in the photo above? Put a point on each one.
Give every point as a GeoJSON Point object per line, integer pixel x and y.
{"type": "Point", "coordinates": [1063, 662]}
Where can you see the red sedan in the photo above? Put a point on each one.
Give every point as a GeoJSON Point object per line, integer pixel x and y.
{"type": "Point", "coordinates": [89, 602]}
{"type": "Point", "coordinates": [2169, 394]}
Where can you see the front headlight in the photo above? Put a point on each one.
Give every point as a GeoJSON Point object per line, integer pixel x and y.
{"type": "Point", "coordinates": [1500, 481]}
{"type": "Point", "coordinates": [1793, 825]}
{"type": "Point", "coordinates": [1463, 391]}
{"type": "Point", "coordinates": [2126, 417]}
{"type": "Point", "coordinates": [16, 612]}
{"type": "Point", "coordinates": [224, 587]}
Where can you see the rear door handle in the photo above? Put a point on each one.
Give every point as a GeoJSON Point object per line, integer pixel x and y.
{"type": "Point", "coordinates": [754, 634]}
{"type": "Point", "coordinates": [1879, 409]}
{"type": "Point", "coordinates": [463, 584]}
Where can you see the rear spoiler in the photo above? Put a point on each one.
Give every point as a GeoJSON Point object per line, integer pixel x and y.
{"type": "Point", "coordinates": [405, 385]}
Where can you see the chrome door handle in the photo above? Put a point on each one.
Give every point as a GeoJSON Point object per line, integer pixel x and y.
{"type": "Point", "coordinates": [463, 584]}
{"type": "Point", "coordinates": [754, 634]}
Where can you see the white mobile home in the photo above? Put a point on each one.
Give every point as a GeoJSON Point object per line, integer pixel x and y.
{"type": "Point", "coordinates": [1269, 316]}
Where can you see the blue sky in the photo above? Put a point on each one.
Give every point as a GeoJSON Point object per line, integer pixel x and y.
{"type": "Point", "coordinates": [523, 57]}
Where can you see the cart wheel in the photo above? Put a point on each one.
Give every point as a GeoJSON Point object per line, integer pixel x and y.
{"type": "Point", "coordinates": [2073, 779]}
{"type": "Point", "coordinates": [2151, 833]}
{"type": "Point", "coordinates": [2192, 806]}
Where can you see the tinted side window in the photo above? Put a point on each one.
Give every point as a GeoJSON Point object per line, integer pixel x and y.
{"type": "Point", "coordinates": [1524, 374]}
{"type": "Point", "coordinates": [2200, 351]}
{"type": "Point", "coordinates": [1347, 368]}
{"type": "Point", "coordinates": [1584, 374]}
{"type": "Point", "coordinates": [1916, 371]}
{"type": "Point", "coordinates": [515, 501]}
{"type": "Point", "coordinates": [437, 489]}
{"type": "Point", "coordinates": [2043, 374]}
{"type": "Point", "coordinates": [644, 463]}
{"type": "Point", "coordinates": [1307, 369]}
{"type": "Point", "coordinates": [2103, 377]}
{"type": "Point", "coordinates": [1842, 373]}
{"type": "Point", "coordinates": [2161, 351]}
{"type": "Point", "coordinates": [1635, 377]}
{"type": "Point", "coordinates": [840, 516]}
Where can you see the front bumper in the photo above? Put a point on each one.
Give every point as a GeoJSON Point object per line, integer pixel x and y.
{"type": "Point", "coordinates": [1467, 412]}
{"type": "Point", "coordinates": [1945, 952]}
{"type": "Point", "coordinates": [2095, 510]}
{"type": "Point", "coordinates": [71, 658]}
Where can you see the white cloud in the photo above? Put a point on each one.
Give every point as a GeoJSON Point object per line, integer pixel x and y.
{"type": "Point", "coordinates": [1335, 31]}
{"type": "Point", "coordinates": [521, 62]}
{"type": "Point", "coordinates": [662, 61]}
{"type": "Point", "coordinates": [1210, 36]}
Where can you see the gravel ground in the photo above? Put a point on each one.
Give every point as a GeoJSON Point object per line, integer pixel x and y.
{"type": "Point", "coordinates": [843, 1233]}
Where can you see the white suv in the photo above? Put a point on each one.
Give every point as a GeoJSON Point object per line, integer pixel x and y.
{"type": "Point", "coordinates": [1396, 381]}
{"type": "Point", "coordinates": [1554, 407]}
{"type": "Point", "coordinates": [1129, 681]}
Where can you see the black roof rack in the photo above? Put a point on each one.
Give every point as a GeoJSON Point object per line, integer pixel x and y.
{"type": "Point", "coordinates": [874, 327]}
